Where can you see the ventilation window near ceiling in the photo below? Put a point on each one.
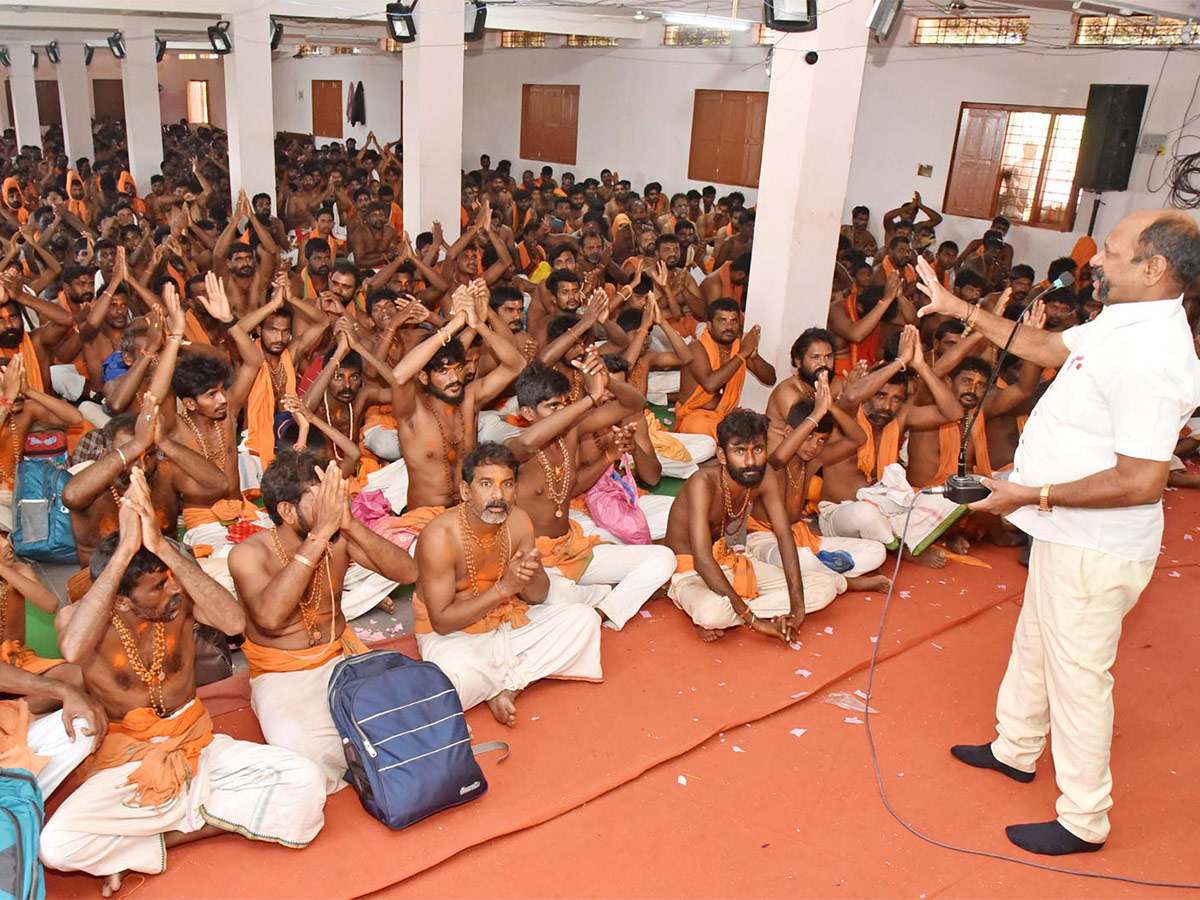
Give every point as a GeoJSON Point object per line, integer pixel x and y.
{"type": "Point", "coordinates": [972, 30]}
{"type": "Point", "coordinates": [523, 39]}
{"type": "Point", "coordinates": [197, 102]}
{"type": "Point", "coordinates": [1134, 31]}
{"type": "Point", "coordinates": [694, 36]}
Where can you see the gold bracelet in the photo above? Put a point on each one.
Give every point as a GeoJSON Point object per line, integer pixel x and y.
{"type": "Point", "coordinates": [304, 560]}
{"type": "Point", "coordinates": [1044, 504]}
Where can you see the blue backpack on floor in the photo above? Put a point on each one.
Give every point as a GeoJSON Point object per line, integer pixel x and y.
{"type": "Point", "coordinates": [21, 816]}
{"type": "Point", "coordinates": [408, 751]}
{"type": "Point", "coordinates": [41, 524]}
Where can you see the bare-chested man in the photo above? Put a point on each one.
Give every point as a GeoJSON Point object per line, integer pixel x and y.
{"type": "Point", "coordinates": [163, 777]}
{"type": "Point", "coordinates": [482, 591]}
{"type": "Point", "coordinates": [290, 579]}
{"type": "Point", "coordinates": [245, 272]}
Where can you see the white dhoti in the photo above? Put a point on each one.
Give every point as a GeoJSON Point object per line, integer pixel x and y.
{"type": "Point", "coordinates": [48, 737]}
{"type": "Point", "coordinates": [66, 381]}
{"type": "Point", "coordinates": [635, 573]}
{"type": "Point", "coordinates": [383, 442]}
{"type": "Point", "coordinates": [655, 507]}
{"type": "Point", "coordinates": [709, 609]}
{"type": "Point", "coordinates": [493, 427]}
{"type": "Point", "coordinates": [293, 713]}
{"type": "Point", "coordinates": [392, 479]}
{"type": "Point", "coordinates": [216, 535]}
{"type": "Point", "coordinates": [889, 501]}
{"type": "Point", "coordinates": [821, 583]}
{"type": "Point", "coordinates": [364, 589]}
{"type": "Point", "coordinates": [560, 641]}
{"type": "Point", "coordinates": [701, 447]}
{"type": "Point", "coordinates": [263, 793]}
{"type": "Point", "coordinates": [1058, 677]}
{"type": "Point", "coordinates": [660, 383]}
{"type": "Point", "coordinates": [250, 467]}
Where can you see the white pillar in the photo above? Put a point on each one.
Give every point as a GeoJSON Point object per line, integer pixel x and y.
{"type": "Point", "coordinates": [5, 124]}
{"type": "Point", "coordinates": [433, 115]}
{"type": "Point", "coordinates": [24, 94]}
{"type": "Point", "coordinates": [249, 105]}
{"type": "Point", "coordinates": [74, 89]}
{"type": "Point", "coordinates": [143, 115]}
{"type": "Point", "coordinates": [811, 114]}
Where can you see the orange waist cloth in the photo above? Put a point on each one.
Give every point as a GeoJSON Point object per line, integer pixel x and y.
{"type": "Point", "coordinates": [745, 582]}
{"type": "Point", "coordinates": [223, 511]}
{"type": "Point", "coordinates": [168, 750]}
{"type": "Point", "coordinates": [801, 533]}
{"type": "Point", "coordinates": [15, 653]}
{"type": "Point", "coordinates": [871, 463]}
{"type": "Point", "coordinates": [260, 408]}
{"type": "Point", "coordinates": [664, 443]}
{"type": "Point", "coordinates": [15, 752]}
{"type": "Point", "coordinates": [571, 553]}
{"type": "Point", "coordinates": [700, 398]}
{"type": "Point", "coordinates": [263, 659]}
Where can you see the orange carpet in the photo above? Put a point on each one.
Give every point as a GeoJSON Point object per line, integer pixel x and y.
{"type": "Point", "coordinates": [666, 695]}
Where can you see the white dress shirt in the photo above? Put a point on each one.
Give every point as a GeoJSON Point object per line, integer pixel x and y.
{"type": "Point", "coordinates": [1130, 382]}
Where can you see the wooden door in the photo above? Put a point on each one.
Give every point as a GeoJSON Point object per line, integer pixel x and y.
{"type": "Point", "coordinates": [328, 109]}
{"type": "Point", "coordinates": [49, 112]}
{"type": "Point", "coordinates": [974, 178]}
{"type": "Point", "coordinates": [109, 97]}
{"type": "Point", "coordinates": [550, 122]}
{"type": "Point", "coordinates": [727, 136]}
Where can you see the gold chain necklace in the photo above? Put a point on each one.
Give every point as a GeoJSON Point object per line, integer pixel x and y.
{"type": "Point", "coordinates": [576, 385]}
{"type": "Point", "coordinates": [725, 496]}
{"type": "Point", "coordinates": [337, 454]}
{"type": "Point", "coordinates": [278, 381]}
{"type": "Point", "coordinates": [203, 444]}
{"type": "Point", "coordinates": [310, 604]}
{"type": "Point", "coordinates": [4, 473]}
{"type": "Point", "coordinates": [470, 537]}
{"type": "Point", "coordinates": [803, 475]}
{"type": "Point", "coordinates": [4, 589]}
{"type": "Point", "coordinates": [558, 478]}
{"type": "Point", "coordinates": [451, 449]}
{"type": "Point", "coordinates": [154, 676]}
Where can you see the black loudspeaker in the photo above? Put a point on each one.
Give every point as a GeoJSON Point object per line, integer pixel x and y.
{"type": "Point", "coordinates": [1110, 136]}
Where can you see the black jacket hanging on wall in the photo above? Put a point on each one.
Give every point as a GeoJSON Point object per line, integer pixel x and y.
{"type": "Point", "coordinates": [358, 108]}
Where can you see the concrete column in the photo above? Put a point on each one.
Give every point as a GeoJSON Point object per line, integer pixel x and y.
{"type": "Point", "coordinates": [74, 91]}
{"type": "Point", "coordinates": [5, 124]}
{"type": "Point", "coordinates": [249, 105]}
{"type": "Point", "coordinates": [811, 114]}
{"type": "Point", "coordinates": [143, 115]}
{"type": "Point", "coordinates": [24, 94]}
{"type": "Point", "coordinates": [433, 115]}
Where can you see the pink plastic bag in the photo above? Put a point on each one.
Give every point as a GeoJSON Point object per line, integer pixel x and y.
{"type": "Point", "coordinates": [612, 504]}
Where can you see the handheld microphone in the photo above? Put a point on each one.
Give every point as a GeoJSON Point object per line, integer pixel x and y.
{"type": "Point", "coordinates": [964, 488]}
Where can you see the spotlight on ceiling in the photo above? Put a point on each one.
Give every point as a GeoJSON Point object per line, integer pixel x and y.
{"type": "Point", "coordinates": [276, 34]}
{"type": "Point", "coordinates": [116, 43]}
{"type": "Point", "coordinates": [160, 48]}
{"type": "Point", "coordinates": [218, 36]}
{"type": "Point", "coordinates": [88, 52]}
{"type": "Point", "coordinates": [52, 53]}
{"type": "Point", "coordinates": [790, 15]}
{"type": "Point", "coordinates": [476, 13]}
{"type": "Point", "coordinates": [402, 27]}
{"type": "Point", "coordinates": [4, 58]}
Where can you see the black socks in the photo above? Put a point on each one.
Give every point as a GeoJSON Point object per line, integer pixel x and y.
{"type": "Point", "coordinates": [1049, 839]}
{"type": "Point", "coordinates": [980, 756]}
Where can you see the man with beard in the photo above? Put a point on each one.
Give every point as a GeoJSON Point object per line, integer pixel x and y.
{"type": "Point", "coordinates": [480, 598]}
{"type": "Point", "coordinates": [669, 251]}
{"type": "Point", "coordinates": [886, 415]}
{"type": "Point", "coordinates": [739, 243]}
{"type": "Point", "coordinates": [562, 295]}
{"type": "Point", "coordinates": [162, 777]}
{"type": "Point", "coordinates": [548, 452]}
{"type": "Point", "coordinates": [480, 607]}
{"type": "Point", "coordinates": [858, 320]}
{"type": "Point", "coordinates": [106, 322]}
{"type": "Point", "coordinates": [712, 383]}
{"type": "Point", "coordinates": [77, 288]}
{"type": "Point", "coordinates": [373, 244]}
{"type": "Point", "coordinates": [1060, 310]}
{"type": "Point", "coordinates": [718, 586]}
{"type": "Point", "coordinates": [261, 206]}
{"type": "Point", "coordinates": [729, 279]}
{"type": "Point", "coordinates": [1020, 282]}
{"type": "Point", "coordinates": [1128, 381]}
{"type": "Point", "coordinates": [464, 260]}
{"type": "Point", "coordinates": [899, 258]}
{"type": "Point", "coordinates": [812, 356]}
{"type": "Point", "coordinates": [245, 276]}
{"type": "Point", "coordinates": [313, 280]}
{"type": "Point", "coordinates": [290, 579]}
{"type": "Point", "coordinates": [36, 346]}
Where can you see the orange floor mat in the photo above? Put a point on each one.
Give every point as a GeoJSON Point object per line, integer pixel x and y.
{"type": "Point", "coordinates": [787, 806]}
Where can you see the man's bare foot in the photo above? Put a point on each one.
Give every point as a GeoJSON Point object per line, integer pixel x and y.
{"type": "Point", "coordinates": [874, 582]}
{"type": "Point", "coordinates": [388, 605]}
{"type": "Point", "coordinates": [934, 558]}
{"type": "Point", "coordinates": [504, 708]}
{"type": "Point", "coordinates": [111, 885]}
{"type": "Point", "coordinates": [958, 543]}
{"type": "Point", "coordinates": [709, 634]}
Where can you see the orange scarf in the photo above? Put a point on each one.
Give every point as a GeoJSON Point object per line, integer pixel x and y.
{"type": "Point", "coordinates": [77, 207]}
{"type": "Point", "coordinates": [263, 659]}
{"type": "Point", "coordinates": [260, 408]}
{"type": "Point", "coordinates": [11, 184]}
{"type": "Point", "coordinates": [571, 553]}
{"type": "Point", "coordinates": [700, 398]}
{"type": "Point", "coordinates": [870, 463]}
{"type": "Point", "coordinates": [193, 330]}
{"type": "Point", "coordinates": [529, 261]}
{"type": "Point", "coordinates": [168, 750]}
{"type": "Point", "coordinates": [728, 288]}
{"type": "Point", "coordinates": [745, 582]}
{"type": "Point", "coordinates": [33, 366]}
{"type": "Point", "coordinates": [910, 274]}
{"type": "Point", "coordinates": [950, 444]}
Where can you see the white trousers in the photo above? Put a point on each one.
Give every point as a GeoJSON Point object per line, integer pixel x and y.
{"type": "Point", "coordinates": [867, 555]}
{"type": "Point", "coordinates": [635, 573]}
{"type": "Point", "coordinates": [263, 793]}
{"type": "Point", "coordinates": [561, 641]}
{"type": "Point", "coordinates": [293, 713]}
{"type": "Point", "coordinates": [660, 383]}
{"type": "Point", "coordinates": [48, 737]}
{"type": "Point", "coordinates": [655, 507]}
{"type": "Point", "coordinates": [856, 519]}
{"type": "Point", "coordinates": [1058, 677]}
{"type": "Point", "coordinates": [701, 447]}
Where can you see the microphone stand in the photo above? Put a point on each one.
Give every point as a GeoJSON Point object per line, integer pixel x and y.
{"type": "Point", "coordinates": [964, 488]}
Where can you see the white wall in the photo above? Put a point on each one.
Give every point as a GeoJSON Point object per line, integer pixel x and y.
{"type": "Point", "coordinates": [635, 105]}
{"type": "Point", "coordinates": [910, 104]}
{"type": "Point", "coordinates": [292, 79]}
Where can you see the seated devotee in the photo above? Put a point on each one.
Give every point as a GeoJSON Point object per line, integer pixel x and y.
{"type": "Point", "coordinates": [864, 317]}
{"type": "Point", "coordinates": [290, 579]}
{"type": "Point", "coordinates": [977, 247]}
{"type": "Point", "coordinates": [715, 583]}
{"type": "Point", "coordinates": [730, 279]}
{"type": "Point", "coordinates": [480, 604]}
{"type": "Point", "coordinates": [712, 383]}
{"type": "Point", "coordinates": [161, 777]}
{"type": "Point", "coordinates": [858, 232]}
{"type": "Point", "coordinates": [548, 453]}
{"type": "Point", "coordinates": [904, 217]}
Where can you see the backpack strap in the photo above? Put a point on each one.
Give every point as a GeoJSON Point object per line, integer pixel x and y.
{"type": "Point", "coordinates": [489, 746]}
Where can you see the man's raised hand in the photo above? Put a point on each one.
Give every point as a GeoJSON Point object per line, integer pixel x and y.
{"type": "Point", "coordinates": [941, 301]}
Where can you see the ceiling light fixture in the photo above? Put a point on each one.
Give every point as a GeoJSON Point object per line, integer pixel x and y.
{"type": "Point", "coordinates": [218, 36]}
{"type": "Point", "coordinates": [116, 43]}
{"type": "Point", "coordinates": [402, 27]}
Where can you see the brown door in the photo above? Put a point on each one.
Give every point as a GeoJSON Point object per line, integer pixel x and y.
{"type": "Point", "coordinates": [974, 178]}
{"type": "Point", "coordinates": [329, 106]}
{"type": "Point", "coordinates": [49, 112]}
{"type": "Point", "coordinates": [109, 96]}
{"type": "Point", "coordinates": [550, 122]}
{"type": "Point", "coordinates": [727, 136]}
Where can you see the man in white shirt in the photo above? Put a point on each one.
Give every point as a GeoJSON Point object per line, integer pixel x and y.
{"type": "Point", "coordinates": [1087, 486]}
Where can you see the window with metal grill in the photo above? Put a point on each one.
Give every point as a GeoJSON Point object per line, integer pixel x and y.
{"type": "Point", "coordinates": [972, 30]}
{"type": "Point", "coordinates": [523, 39]}
{"type": "Point", "coordinates": [591, 40]}
{"type": "Point", "coordinates": [695, 36]}
{"type": "Point", "coordinates": [1134, 31]}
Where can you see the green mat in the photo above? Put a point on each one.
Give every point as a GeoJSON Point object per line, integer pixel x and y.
{"type": "Point", "coordinates": [39, 633]}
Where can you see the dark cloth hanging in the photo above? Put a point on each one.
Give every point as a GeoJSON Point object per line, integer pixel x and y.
{"type": "Point", "coordinates": [358, 108]}
{"type": "Point", "coordinates": [350, 103]}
